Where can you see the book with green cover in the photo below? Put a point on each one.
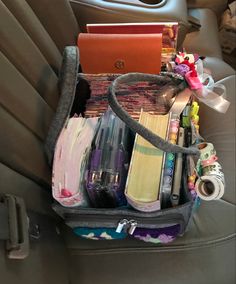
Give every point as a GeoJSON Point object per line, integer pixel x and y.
{"type": "Point", "coordinates": [145, 172]}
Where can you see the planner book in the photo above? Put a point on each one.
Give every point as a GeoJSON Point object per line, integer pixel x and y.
{"type": "Point", "coordinates": [169, 31]}
{"type": "Point", "coordinates": [145, 172]}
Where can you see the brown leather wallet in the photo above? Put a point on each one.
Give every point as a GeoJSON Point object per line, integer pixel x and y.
{"type": "Point", "coordinates": [120, 53]}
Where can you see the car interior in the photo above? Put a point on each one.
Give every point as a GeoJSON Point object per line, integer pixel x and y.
{"type": "Point", "coordinates": [33, 35]}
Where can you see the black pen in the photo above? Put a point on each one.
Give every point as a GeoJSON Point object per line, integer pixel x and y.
{"type": "Point", "coordinates": [178, 171]}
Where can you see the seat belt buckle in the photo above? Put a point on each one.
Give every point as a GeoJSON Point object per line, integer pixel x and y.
{"type": "Point", "coordinates": [17, 245]}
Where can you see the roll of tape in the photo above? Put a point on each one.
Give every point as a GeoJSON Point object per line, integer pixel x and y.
{"type": "Point", "coordinates": [212, 184]}
{"type": "Point", "coordinates": [207, 188]}
{"type": "Point", "coordinates": [206, 150]}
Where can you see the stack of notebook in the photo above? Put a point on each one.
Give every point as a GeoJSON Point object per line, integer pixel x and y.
{"type": "Point", "coordinates": [146, 167]}
{"type": "Point", "coordinates": [94, 156]}
{"type": "Point", "coordinates": [168, 30]}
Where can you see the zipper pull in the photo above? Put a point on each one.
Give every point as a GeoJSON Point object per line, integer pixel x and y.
{"type": "Point", "coordinates": [121, 225]}
{"type": "Point", "coordinates": [133, 226]}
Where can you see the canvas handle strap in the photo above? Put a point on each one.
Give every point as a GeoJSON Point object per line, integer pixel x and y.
{"type": "Point", "coordinates": [154, 139]}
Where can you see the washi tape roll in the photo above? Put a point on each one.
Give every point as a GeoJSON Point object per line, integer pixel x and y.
{"type": "Point", "coordinates": [211, 185]}
{"type": "Point", "coordinates": [206, 151]}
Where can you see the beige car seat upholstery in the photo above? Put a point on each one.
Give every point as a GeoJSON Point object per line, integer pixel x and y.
{"type": "Point", "coordinates": [32, 39]}
{"type": "Point", "coordinates": [30, 57]}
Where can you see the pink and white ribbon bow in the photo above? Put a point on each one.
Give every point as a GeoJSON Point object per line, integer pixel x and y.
{"type": "Point", "coordinates": [210, 93]}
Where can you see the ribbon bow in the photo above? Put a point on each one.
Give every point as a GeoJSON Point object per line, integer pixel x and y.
{"type": "Point", "coordinates": [202, 84]}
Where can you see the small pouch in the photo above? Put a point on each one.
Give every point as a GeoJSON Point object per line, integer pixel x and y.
{"type": "Point", "coordinates": [123, 52]}
{"type": "Point", "coordinates": [108, 164]}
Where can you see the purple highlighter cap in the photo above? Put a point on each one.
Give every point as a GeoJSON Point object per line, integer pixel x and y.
{"type": "Point", "coordinates": [95, 159]}
{"type": "Point", "coordinates": [119, 159]}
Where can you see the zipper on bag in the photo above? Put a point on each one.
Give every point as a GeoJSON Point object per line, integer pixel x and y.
{"type": "Point", "coordinates": [118, 220]}
{"type": "Point", "coordinates": [121, 225]}
{"type": "Point", "coordinates": [133, 226]}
